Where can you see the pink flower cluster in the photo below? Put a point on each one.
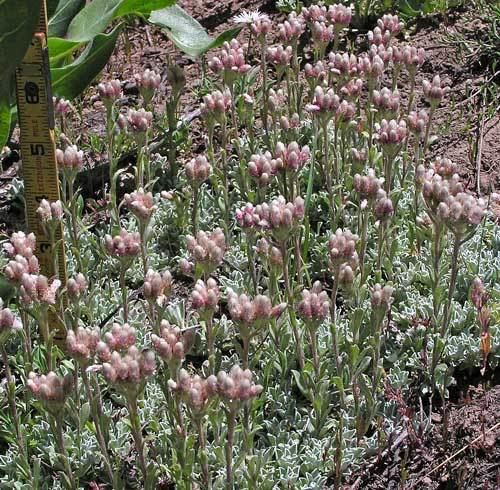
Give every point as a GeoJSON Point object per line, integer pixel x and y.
{"type": "Point", "coordinates": [262, 168]}
{"type": "Point", "coordinates": [207, 249]}
{"type": "Point", "coordinates": [254, 312]}
{"type": "Point", "coordinates": [141, 204]}
{"type": "Point", "coordinates": [314, 305]}
{"type": "Point", "coordinates": [8, 323]}
{"type": "Point", "coordinates": [391, 133]}
{"type": "Point", "coordinates": [76, 286]}
{"type": "Point", "coordinates": [434, 91]}
{"type": "Point", "coordinates": [125, 244]}
{"type": "Point", "coordinates": [196, 391]}
{"type": "Point", "coordinates": [172, 344]}
{"type": "Point", "coordinates": [381, 297]}
{"type": "Point", "coordinates": [110, 91]}
{"type": "Point", "coordinates": [70, 159]}
{"type": "Point", "coordinates": [50, 211]}
{"type": "Point", "coordinates": [290, 30]}
{"type": "Point", "coordinates": [205, 296]}
{"type": "Point", "coordinates": [51, 389]}
{"type": "Point", "coordinates": [279, 56]}
{"type": "Point", "coordinates": [139, 121]}
{"type": "Point", "coordinates": [417, 122]}
{"type": "Point", "coordinates": [235, 386]}
{"type": "Point", "coordinates": [130, 369]}
{"type": "Point", "coordinates": [367, 186]}
{"type": "Point", "coordinates": [215, 105]}
{"type": "Point", "coordinates": [82, 344]}
{"type": "Point", "coordinates": [386, 100]}
{"type": "Point", "coordinates": [291, 157]}
{"type": "Point", "coordinates": [157, 285]}
{"type": "Point", "coordinates": [119, 338]}
{"type": "Point", "coordinates": [36, 289]}
{"type": "Point", "coordinates": [342, 249]}
{"type": "Point", "coordinates": [198, 170]}
{"type": "Point", "coordinates": [231, 60]}
{"type": "Point", "coordinates": [148, 80]}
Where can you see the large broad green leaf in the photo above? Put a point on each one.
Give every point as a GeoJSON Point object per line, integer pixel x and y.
{"type": "Point", "coordinates": [5, 115]}
{"type": "Point", "coordinates": [59, 49]}
{"type": "Point", "coordinates": [142, 7]}
{"type": "Point", "coordinates": [188, 34]}
{"type": "Point", "coordinates": [71, 80]}
{"type": "Point", "coordinates": [18, 20]}
{"type": "Point", "coordinates": [60, 20]}
{"type": "Point", "coordinates": [51, 7]}
{"type": "Point", "coordinates": [92, 20]}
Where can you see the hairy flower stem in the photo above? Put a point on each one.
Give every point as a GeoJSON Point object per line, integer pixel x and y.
{"type": "Point", "coordinates": [57, 430]}
{"type": "Point", "coordinates": [136, 430]}
{"type": "Point", "coordinates": [202, 447]}
{"type": "Point", "coordinates": [110, 134]}
{"type": "Point", "coordinates": [225, 181]}
{"type": "Point", "coordinates": [362, 249]}
{"type": "Point", "coordinates": [11, 395]}
{"type": "Point", "coordinates": [97, 417]}
{"type": "Point", "coordinates": [381, 242]}
{"type": "Point", "coordinates": [194, 211]}
{"type": "Point", "coordinates": [411, 97]}
{"type": "Point", "coordinates": [231, 426]}
{"type": "Point", "coordinates": [436, 261]}
{"type": "Point", "coordinates": [251, 262]}
{"type": "Point", "coordinates": [265, 92]}
{"type": "Point", "coordinates": [210, 342]}
{"type": "Point", "coordinates": [334, 332]}
{"type": "Point", "coordinates": [313, 340]}
{"type": "Point", "coordinates": [172, 150]}
{"type": "Point", "coordinates": [428, 130]}
{"type": "Point", "coordinates": [290, 299]}
{"type": "Point", "coordinates": [328, 171]}
{"type": "Point", "coordinates": [453, 282]}
{"type": "Point", "coordinates": [47, 335]}
{"type": "Point", "coordinates": [27, 340]}
{"type": "Point", "coordinates": [123, 289]}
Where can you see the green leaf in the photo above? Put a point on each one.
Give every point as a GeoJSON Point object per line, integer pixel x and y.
{"type": "Point", "coordinates": [18, 21]}
{"type": "Point", "coordinates": [186, 33]}
{"type": "Point", "coordinates": [92, 20]}
{"type": "Point", "coordinates": [51, 7]}
{"type": "Point", "coordinates": [66, 10]}
{"type": "Point", "coordinates": [142, 7]}
{"type": "Point", "coordinates": [5, 118]}
{"type": "Point", "coordinates": [71, 80]}
{"type": "Point", "coordinates": [59, 49]}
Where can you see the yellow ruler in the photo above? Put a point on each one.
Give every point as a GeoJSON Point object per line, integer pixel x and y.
{"type": "Point", "coordinates": [38, 150]}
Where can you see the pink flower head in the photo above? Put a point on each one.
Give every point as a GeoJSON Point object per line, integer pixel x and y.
{"type": "Point", "coordinates": [315, 74]}
{"type": "Point", "coordinates": [390, 23]}
{"type": "Point", "coordinates": [8, 323]}
{"type": "Point", "coordinates": [412, 58]}
{"type": "Point", "coordinates": [255, 312]}
{"type": "Point", "coordinates": [198, 170]}
{"type": "Point", "coordinates": [248, 218]}
{"type": "Point", "coordinates": [322, 34]}
{"type": "Point", "coordinates": [314, 13]}
{"type": "Point", "coordinates": [417, 122]}
{"type": "Point", "coordinates": [235, 386]}
{"type": "Point", "coordinates": [291, 157]}
{"type": "Point", "coordinates": [324, 103]}
{"type": "Point", "coordinates": [314, 305]}
{"type": "Point", "coordinates": [119, 338]}
{"type": "Point", "coordinates": [383, 208]}
{"type": "Point", "coordinates": [205, 296]}
{"type": "Point", "coordinates": [290, 31]}
{"type": "Point", "coordinates": [20, 244]}
{"type": "Point", "coordinates": [61, 106]}
{"type": "Point", "coordinates": [391, 133]}
{"type": "Point", "coordinates": [262, 168]}
{"type": "Point", "coordinates": [141, 204]}
{"type": "Point", "coordinates": [15, 269]}
{"type": "Point", "coordinates": [215, 105]}
{"type": "Point", "coordinates": [367, 186]}
{"type": "Point", "coordinates": [279, 56]}
{"type": "Point", "coordinates": [110, 91]}
{"type": "Point", "coordinates": [381, 297]}
{"type": "Point", "coordinates": [148, 80]}
{"type": "Point", "coordinates": [231, 62]}
{"type": "Point", "coordinates": [342, 249]}
{"type": "Point", "coordinates": [76, 286]}
{"type": "Point", "coordinates": [50, 211]}
{"type": "Point", "coordinates": [207, 249]}
{"type": "Point", "coordinates": [157, 285]}
{"type": "Point", "coordinates": [37, 289]}
{"type": "Point", "coordinates": [339, 15]}
{"type": "Point", "coordinates": [51, 389]}
{"type": "Point", "coordinates": [372, 69]}
{"type": "Point", "coordinates": [82, 344]}
{"type": "Point", "coordinates": [352, 89]}
{"type": "Point", "coordinates": [70, 159]}
{"type": "Point", "coordinates": [434, 91]}
{"type": "Point", "coordinates": [195, 391]}
{"type": "Point", "coordinates": [172, 344]}
{"type": "Point", "coordinates": [386, 100]}
{"type": "Point", "coordinates": [343, 65]}
{"type": "Point", "coordinates": [379, 37]}
{"type": "Point", "coordinates": [139, 121]}
{"type": "Point", "coordinates": [125, 244]}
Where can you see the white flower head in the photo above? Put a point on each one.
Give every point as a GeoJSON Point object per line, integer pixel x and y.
{"type": "Point", "coordinates": [249, 17]}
